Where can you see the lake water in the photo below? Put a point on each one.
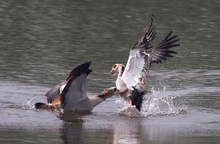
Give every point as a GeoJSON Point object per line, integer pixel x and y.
{"type": "Point", "coordinates": [41, 41]}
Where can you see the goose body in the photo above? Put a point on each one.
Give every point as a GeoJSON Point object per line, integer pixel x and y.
{"type": "Point", "coordinates": [70, 94]}
{"type": "Point", "coordinates": [141, 56]}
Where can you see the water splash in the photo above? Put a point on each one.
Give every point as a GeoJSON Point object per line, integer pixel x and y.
{"type": "Point", "coordinates": [31, 103]}
{"type": "Point", "coordinates": [156, 103]}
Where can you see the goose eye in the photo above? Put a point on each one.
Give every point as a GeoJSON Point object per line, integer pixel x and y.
{"type": "Point", "coordinates": [115, 89]}
{"type": "Point", "coordinates": [114, 66]}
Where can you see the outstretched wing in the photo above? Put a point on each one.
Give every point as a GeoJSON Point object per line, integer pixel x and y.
{"type": "Point", "coordinates": [134, 74]}
{"type": "Point", "coordinates": [55, 92]}
{"type": "Point", "coordinates": [142, 55]}
{"type": "Point", "coordinates": [145, 42]}
{"type": "Point", "coordinates": [75, 89]}
{"type": "Point", "coordinates": [162, 50]}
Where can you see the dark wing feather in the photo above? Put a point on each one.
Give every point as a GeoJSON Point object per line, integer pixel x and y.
{"type": "Point", "coordinates": [79, 69]}
{"type": "Point", "coordinates": [74, 90]}
{"type": "Point", "coordinates": [145, 42]}
{"type": "Point", "coordinates": [162, 50]}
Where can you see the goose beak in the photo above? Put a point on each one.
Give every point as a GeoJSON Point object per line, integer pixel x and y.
{"type": "Point", "coordinates": [112, 72]}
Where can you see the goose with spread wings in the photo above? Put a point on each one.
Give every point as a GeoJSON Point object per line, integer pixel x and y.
{"type": "Point", "coordinates": [141, 56]}
{"type": "Point", "coordinates": [70, 94]}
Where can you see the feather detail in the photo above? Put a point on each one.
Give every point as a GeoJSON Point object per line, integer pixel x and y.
{"type": "Point", "coordinates": [74, 90]}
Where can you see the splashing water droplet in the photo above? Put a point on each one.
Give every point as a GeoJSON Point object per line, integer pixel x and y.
{"type": "Point", "coordinates": [156, 103]}
{"type": "Point", "coordinates": [160, 103]}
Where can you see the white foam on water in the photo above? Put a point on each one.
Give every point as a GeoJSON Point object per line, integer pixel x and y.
{"type": "Point", "coordinates": [156, 103]}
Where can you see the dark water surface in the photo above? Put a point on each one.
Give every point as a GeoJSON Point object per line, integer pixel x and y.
{"type": "Point", "coordinates": [41, 41]}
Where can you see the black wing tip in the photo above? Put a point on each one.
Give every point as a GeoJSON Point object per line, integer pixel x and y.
{"type": "Point", "coordinates": [82, 68]}
{"type": "Point", "coordinates": [149, 34]}
{"type": "Point", "coordinates": [152, 16]}
{"type": "Point", "coordinates": [163, 49]}
{"type": "Point", "coordinates": [85, 67]}
{"type": "Point", "coordinates": [170, 36]}
{"type": "Point", "coordinates": [152, 19]}
{"type": "Point", "coordinates": [87, 63]}
{"type": "Point", "coordinates": [170, 41]}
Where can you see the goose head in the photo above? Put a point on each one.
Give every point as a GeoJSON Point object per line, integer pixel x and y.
{"type": "Point", "coordinates": [108, 92]}
{"type": "Point", "coordinates": [119, 67]}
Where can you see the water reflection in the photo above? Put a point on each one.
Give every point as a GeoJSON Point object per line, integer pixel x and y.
{"type": "Point", "coordinates": [92, 128]}
{"type": "Point", "coordinates": [73, 117]}
{"type": "Point", "coordinates": [113, 132]}
{"type": "Point", "coordinates": [72, 133]}
{"type": "Point", "coordinates": [123, 130]}
{"type": "Point", "coordinates": [128, 132]}
{"type": "Point", "coordinates": [74, 130]}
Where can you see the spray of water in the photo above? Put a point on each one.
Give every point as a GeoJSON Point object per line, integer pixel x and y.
{"type": "Point", "coordinates": [31, 103]}
{"type": "Point", "coordinates": [156, 103]}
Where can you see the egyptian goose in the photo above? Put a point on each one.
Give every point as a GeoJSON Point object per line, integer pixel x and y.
{"type": "Point", "coordinates": [71, 95]}
{"type": "Point", "coordinates": [141, 56]}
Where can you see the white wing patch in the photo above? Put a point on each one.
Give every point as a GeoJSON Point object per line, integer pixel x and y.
{"type": "Point", "coordinates": [133, 68]}
{"type": "Point", "coordinates": [62, 87]}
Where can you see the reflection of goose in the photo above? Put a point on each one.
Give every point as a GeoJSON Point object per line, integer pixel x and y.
{"type": "Point", "coordinates": [73, 133]}
{"type": "Point", "coordinates": [71, 93]}
{"type": "Point", "coordinates": [141, 56]}
{"type": "Point", "coordinates": [128, 131]}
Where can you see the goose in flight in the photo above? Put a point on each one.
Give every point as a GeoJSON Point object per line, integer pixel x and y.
{"type": "Point", "coordinates": [141, 56]}
{"type": "Point", "coordinates": [71, 95]}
